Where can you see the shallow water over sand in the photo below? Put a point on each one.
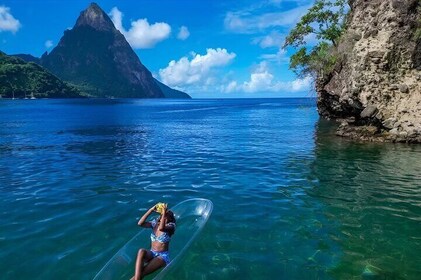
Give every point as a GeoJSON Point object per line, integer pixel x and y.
{"type": "Point", "coordinates": [290, 200]}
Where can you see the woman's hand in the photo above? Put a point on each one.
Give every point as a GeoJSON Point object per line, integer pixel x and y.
{"type": "Point", "coordinates": [164, 208]}
{"type": "Point", "coordinates": [163, 219]}
{"type": "Point", "coordinates": [153, 208]}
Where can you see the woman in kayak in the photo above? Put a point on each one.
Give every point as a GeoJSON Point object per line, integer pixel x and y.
{"type": "Point", "coordinates": [158, 256]}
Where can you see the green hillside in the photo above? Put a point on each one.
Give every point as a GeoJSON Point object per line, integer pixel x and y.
{"type": "Point", "coordinates": [20, 79]}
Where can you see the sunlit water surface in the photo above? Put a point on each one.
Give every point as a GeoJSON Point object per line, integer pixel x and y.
{"type": "Point", "coordinates": [291, 201]}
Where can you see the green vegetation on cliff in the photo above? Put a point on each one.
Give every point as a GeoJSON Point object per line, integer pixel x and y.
{"type": "Point", "coordinates": [20, 79]}
{"type": "Point", "coordinates": [326, 21]}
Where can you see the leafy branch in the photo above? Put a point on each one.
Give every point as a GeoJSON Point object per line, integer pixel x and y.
{"type": "Point", "coordinates": [326, 20]}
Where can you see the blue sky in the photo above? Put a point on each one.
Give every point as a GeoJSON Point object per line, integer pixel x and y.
{"type": "Point", "coordinates": [208, 48]}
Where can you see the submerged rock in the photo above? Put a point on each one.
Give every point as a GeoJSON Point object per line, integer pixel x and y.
{"type": "Point", "coordinates": [368, 273]}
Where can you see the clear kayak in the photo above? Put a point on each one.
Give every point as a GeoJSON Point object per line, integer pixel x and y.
{"type": "Point", "coordinates": [191, 216]}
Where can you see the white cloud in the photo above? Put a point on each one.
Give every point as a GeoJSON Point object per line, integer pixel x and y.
{"type": "Point", "coordinates": [273, 39]}
{"type": "Point", "coordinates": [117, 18]}
{"type": "Point", "coordinates": [231, 87]}
{"type": "Point", "coordinates": [262, 80]}
{"type": "Point", "coordinates": [7, 21]}
{"type": "Point", "coordinates": [141, 34]}
{"type": "Point", "coordinates": [48, 44]}
{"type": "Point", "coordinates": [301, 84]}
{"type": "Point", "coordinates": [247, 22]}
{"type": "Point", "coordinates": [279, 57]}
{"type": "Point", "coordinates": [197, 70]}
{"type": "Point", "coordinates": [183, 33]}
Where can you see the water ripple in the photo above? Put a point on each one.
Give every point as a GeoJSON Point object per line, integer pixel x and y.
{"type": "Point", "coordinates": [291, 201]}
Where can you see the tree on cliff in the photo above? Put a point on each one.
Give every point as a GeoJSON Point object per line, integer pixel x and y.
{"type": "Point", "coordinates": [326, 21]}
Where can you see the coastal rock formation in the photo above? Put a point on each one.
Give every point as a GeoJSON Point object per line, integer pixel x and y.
{"type": "Point", "coordinates": [96, 57]}
{"type": "Point", "coordinates": [375, 90]}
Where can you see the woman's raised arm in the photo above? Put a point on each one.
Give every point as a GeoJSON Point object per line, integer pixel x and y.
{"type": "Point", "coordinates": [142, 222]}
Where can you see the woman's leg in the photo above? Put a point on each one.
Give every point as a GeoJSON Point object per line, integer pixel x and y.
{"type": "Point", "coordinates": [153, 265]}
{"type": "Point", "coordinates": [143, 256]}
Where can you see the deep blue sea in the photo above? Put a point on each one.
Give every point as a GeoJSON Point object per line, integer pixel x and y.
{"type": "Point", "coordinates": [291, 200]}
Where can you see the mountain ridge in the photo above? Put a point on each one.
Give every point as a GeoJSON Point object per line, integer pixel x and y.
{"type": "Point", "coordinates": [166, 90]}
{"type": "Point", "coordinates": [97, 58]}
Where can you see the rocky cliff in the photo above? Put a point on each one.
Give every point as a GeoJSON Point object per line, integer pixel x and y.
{"type": "Point", "coordinates": [375, 90]}
{"type": "Point", "coordinates": [96, 57]}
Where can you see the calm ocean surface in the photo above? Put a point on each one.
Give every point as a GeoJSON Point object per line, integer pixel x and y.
{"type": "Point", "coordinates": [291, 201]}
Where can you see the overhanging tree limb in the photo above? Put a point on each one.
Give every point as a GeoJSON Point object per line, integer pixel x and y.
{"type": "Point", "coordinates": [326, 20]}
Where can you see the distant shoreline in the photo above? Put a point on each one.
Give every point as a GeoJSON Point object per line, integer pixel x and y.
{"type": "Point", "coordinates": [132, 98]}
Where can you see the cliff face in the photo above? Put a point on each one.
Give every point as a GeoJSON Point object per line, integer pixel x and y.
{"type": "Point", "coordinates": [376, 89]}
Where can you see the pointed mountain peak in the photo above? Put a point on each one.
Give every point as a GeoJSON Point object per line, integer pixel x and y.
{"type": "Point", "coordinates": [96, 18]}
{"type": "Point", "coordinates": [94, 6]}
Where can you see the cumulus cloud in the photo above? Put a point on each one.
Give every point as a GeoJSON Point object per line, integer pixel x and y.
{"type": "Point", "coordinates": [300, 84]}
{"type": "Point", "coordinates": [247, 22]}
{"type": "Point", "coordinates": [262, 80]}
{"type": "Point", "coordinates": [7, 21]}
{"type": "Point", "coordinates": [183, 33]}
{"type": "Point", "coordinates": [48, 44]}
{"type": "Point", "coordinates": [141, 34]}
{"type": "Point", "coordinates": [279, 57]}
{"type": "Point", "coordinates": [196, 69]}
{"type": "Point", "coordinates": [273, 39]}
{"type": "Point", "coordinates": [231, 87]}
{"type": "Point", "coordinates": [117, 18]}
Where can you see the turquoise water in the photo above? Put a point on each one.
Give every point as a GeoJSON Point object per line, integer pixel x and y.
{"type": "Point", "coordinates": [291, 201]}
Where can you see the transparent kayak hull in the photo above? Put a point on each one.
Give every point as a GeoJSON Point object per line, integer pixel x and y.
{"type": "Point", "coordinates": [191, 215]}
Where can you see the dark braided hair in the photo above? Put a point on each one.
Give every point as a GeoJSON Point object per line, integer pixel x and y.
{"type": "Point", "coordinates": [171, 219]}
